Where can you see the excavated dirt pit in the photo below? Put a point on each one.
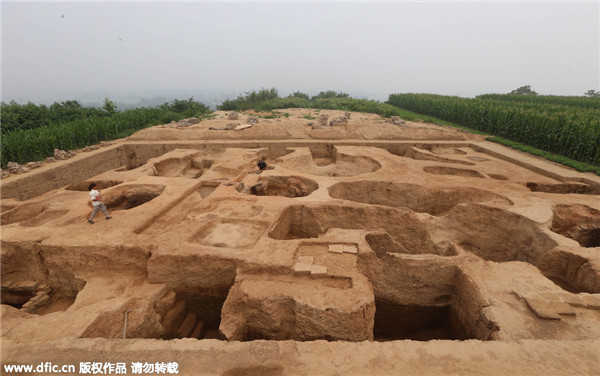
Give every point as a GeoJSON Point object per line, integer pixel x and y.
{"type": "Point", "coordinates": [194, 316]}
{"type": "Point", "coordinates": [286, 186]}
{"type": "Point", "coordinates": [32, 286]}
{"type": "Point", "coordinates": [302, 222]}
{"type": "Point", "coordinates": [329, 162]}
{"type": "Point", "coordinates": [32, 214]}
{"type": "Point", "coordinates": [566, 188]}
{"type": "Point", "coordinates": [442, 170]}
{"type": "Point", "coordinates": [496, 235]}
{"type": "Point", "coordinates": [399, 322]}
{"type": "Point", "coordinates": [578, 222]}
{"type": "Point", "coordinates": [230, 233]}
{"type": "Point", "coordinates": [188, 167]}
{"type": "Point", "coordinates": [131, 196]}
{"type": "Point", "coordinates": [422, 199]}
{"type": "Point", "coordinates": [305, 252]}
{"type": "Point", "coordinates": [429, 154]}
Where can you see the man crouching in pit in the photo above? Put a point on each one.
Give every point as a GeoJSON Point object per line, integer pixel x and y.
{"type": "Point", "coordinates": [96, 202]}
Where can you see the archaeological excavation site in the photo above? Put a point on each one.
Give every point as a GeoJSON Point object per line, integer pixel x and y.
{"type": "Point", "coordinates": [366, 247]}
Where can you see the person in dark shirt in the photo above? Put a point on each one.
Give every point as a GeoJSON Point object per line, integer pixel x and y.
{"type": "Point", "coordinates": [261, 166]}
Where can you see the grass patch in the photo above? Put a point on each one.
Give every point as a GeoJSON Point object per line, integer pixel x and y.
{"type": "Point", "coordinates": [579, 166]}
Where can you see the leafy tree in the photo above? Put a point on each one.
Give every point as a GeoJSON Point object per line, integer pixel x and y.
{"type": "Point", "coordinates": [592, 93]}
{"type": "Point", "coordinates": [524, 90]}
{"type": "Point", "coordinates": [188, 107]}
{"type": "Point", "coordinates": [251, 99]}
{"type": "Point", "coordinates": [109, 106]}
{"type": "Point", "coordinates": [330, 94]}
{"type": "Point", "coordinates": [298, 94]}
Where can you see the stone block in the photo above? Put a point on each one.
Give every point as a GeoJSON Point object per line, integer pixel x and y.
{"type": "Point", "coordinates": [336, 248]}
{"type": "Point", "coordinates": [302, 268]}
{"type": "Point", "coordinates": [542, 309]}
{"type": "Point", "coordinates": [351, 248]}
{"type": "Point", "coordinates": [318, 270]}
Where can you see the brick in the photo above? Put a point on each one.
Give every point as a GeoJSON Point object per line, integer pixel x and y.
{"type": "Point", "coordinates": [351, 248]}
{"type": "Point", "coordinates": [318, 270]}
{"type": "Point", "coordinates": [542, 309]}
{"type": "Point", "coordinates": [302, 268]}
{"type": "Point", "coordinates": [336, 248]}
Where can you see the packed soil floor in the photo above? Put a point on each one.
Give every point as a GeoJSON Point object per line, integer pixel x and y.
{"type": "Point", "coordinates": [366, 247]}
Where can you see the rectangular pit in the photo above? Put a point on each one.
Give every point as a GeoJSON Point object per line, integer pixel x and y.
{"type": "Point", "coordinates": [413, 322]}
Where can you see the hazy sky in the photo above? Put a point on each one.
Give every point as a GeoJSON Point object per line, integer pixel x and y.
{"type": "Point", "coordinates": [80, 49]}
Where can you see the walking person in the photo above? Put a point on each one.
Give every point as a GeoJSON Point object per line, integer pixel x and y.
{"type": "Point", "coordinates": [96, 202]}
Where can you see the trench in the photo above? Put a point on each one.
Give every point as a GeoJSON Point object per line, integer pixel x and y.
{"type": "Point", "coordinates": [195, 316]}
{"type": "Point", "coordinates": [563, 188]}
{"type": "Point", "coordinates": [418, 323]}
{"type": "Point", "coordinates": [421, 199]}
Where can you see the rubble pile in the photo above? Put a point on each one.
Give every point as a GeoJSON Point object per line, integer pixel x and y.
{"type": "Point", "coordinates": [91, 148]}
{"type": "Point", "coordinates": [62, 155]}
{"type": "Point", "coordinates": [323, 119]}
{"type": "Point", "coordinates": [228, 127]}
{"type": "Point", "coordinates": [396, 120]}
{"type": "Point", "coordinates": [338, 121]}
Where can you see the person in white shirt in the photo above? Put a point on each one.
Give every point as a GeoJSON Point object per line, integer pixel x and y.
{"type": "Point", "coordinates": [96, 203]}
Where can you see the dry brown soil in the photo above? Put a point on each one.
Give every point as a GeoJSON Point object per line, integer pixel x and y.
{"type": "Point", "coordinates": [365, 248]}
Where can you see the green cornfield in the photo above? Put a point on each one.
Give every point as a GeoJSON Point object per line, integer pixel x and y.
{"type": "Point", "coordinates": [546, 123]}
{"type": "Point", "coordinates": [26, 145]}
